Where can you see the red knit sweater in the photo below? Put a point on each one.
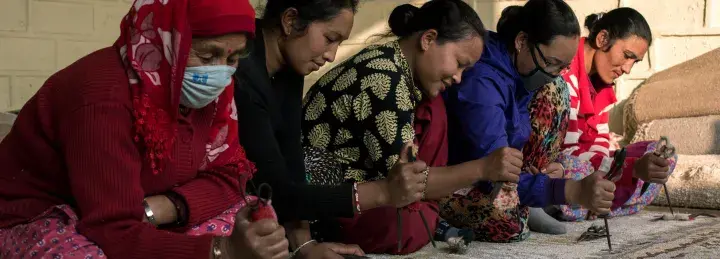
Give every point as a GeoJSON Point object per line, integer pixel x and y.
{"type": "Point", "coordinates": [73, 144]}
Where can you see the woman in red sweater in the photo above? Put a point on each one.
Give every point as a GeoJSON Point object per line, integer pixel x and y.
{"type": "Point", "coordinates": [617, 40]}
{"type": "Point", "coordinates": [132, 151]}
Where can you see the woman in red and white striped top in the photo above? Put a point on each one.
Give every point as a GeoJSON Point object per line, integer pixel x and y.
{"type": "Point", "coordinates": [617, 40]}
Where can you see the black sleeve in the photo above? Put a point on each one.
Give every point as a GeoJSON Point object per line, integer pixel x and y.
{"type": "Point", "coordinates": [292, 199]}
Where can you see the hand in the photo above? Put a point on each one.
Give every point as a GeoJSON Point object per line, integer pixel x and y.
{"type": "Point", "coordinates": [264, 239]}
{"type": "Point", "coordinates": [593, 192]}
{"type": "Point", "coordinates": [554, 170]}
{"type": "Point", "coordinates": [329, 251]}
{"type": "Point", "coordinates": [404, 183]}
{"type": "Point", "coordinates": [502, 165]}
{"type": "Point", "coordinates": [652, 168]}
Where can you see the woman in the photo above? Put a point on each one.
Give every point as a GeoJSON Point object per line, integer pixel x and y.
{"type": "Point", "coordinates": [115, 179]}
{"type": "Point", "coordinates": [489, 111]}
{"type": "Point", "coordinates": [358, 121]}
{"type": "Point", "coordinates": [295, 38]}
{"type": "Point", "coordinates": [617, 40]}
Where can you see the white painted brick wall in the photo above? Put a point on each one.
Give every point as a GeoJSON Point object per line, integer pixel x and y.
{"type": "Point", "coordinates": [39, 37]}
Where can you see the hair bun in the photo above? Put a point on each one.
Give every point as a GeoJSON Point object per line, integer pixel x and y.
{"type": "Point", "coordinates": [400, 19]}
{"type": "Point", "coordinates": [591, 19]}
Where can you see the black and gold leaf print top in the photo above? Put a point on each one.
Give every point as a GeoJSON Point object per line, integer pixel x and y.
{"type": "Point", "coordinates": [358, 116]}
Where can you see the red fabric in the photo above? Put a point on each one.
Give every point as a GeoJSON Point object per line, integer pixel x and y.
{"type": "Point", "coordinates": [105, 126]}
{"type": "Point", "coordinates": [627, 185]}
{"type": "Point", "coordinates": [154, 45]}
{"type": "Point", "coordinates": [375, 231]}
{"type": "Point", "coordinates": [588, 133]}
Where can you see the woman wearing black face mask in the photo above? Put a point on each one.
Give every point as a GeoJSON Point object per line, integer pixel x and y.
{"type": "Point", "coordinates": [489, 110]}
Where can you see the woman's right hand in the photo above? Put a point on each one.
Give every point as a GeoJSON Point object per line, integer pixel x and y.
{"type": "Point", "coordinates": [405, 182]}
{"type": "Point", "coordinates": [502, 165]}
{"type": "Point", "coordinates": [264, 239]}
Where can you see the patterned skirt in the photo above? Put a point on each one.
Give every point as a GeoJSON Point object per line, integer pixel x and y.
{"type": "Point", "coordinates": [53, 234]}
{"type": "Point", "coordinates": [501, 220]}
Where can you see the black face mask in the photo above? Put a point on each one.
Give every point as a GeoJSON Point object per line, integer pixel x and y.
{"type": "Point", "coordinates": [537, 78]}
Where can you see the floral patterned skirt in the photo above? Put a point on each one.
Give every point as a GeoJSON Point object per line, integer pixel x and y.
{"type": "Point", "coordinates": [53, 234]}
{"type": "Point", "coordinates": [575, 169]}
{"type": "Point", "coordinates": [499, 221]}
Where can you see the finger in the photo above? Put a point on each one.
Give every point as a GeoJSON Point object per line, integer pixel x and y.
{"type": "Point", "coordinates": [510, 177]}
{"type": "Point", "coordinates": [264, 227]}
{"type": "Point", "coordinates": [606, 196]}
{"type": "Point", "coordinates": [241, 218]}
{"type": "Point", "coordinates": [515, 153]}
{"type": "Point", "coordinates": [404, 153]}
{"type": "Point", "coordinates": [347, 249]}
{"type": "Point", "coordinates": [277, 247]}
{"type": "Point", "coordinates": [608, 186]}
{"type": "Point", "coordinates": [659, 173]}
{"type": "Point", "coordinates": [659, 161]}
{"type": "Point", "coordinates": [602, 211]}
{"type": "Point", "coordinates": [534, 170]}
{"type": "Point", "coordinates": [282, 255]}
{"type": "Point", "coordinates": [514, 161]}
{"type": "Point", "coordinates": [603, 204]}
{"type": "Point", "coordinates": [511, 168]}
{"type": "Point", "coordinates": [418, 167]}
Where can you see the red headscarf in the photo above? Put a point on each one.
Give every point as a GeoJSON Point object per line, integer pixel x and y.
{"type": "Point", "coordinates": [154, 45]}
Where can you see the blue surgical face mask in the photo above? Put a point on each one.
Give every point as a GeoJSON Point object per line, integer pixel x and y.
{"type": "Point", "coordinates": [203, 84]}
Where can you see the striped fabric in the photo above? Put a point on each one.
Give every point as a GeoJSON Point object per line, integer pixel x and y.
{"type": "Point", "coordinates": [588, 133]}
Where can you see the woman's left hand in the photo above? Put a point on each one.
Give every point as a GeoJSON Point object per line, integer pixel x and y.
{"type": "Point", "coordinates": [329, 251]}
{"type": "Point", "coordinates": [554, 170]}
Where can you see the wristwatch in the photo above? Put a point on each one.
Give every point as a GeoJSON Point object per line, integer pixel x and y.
{"type": "Point", "coordinates": [149, 213]}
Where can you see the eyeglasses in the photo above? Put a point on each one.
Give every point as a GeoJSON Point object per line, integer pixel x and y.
{"type": "Point", "coordinates": [549, 68]}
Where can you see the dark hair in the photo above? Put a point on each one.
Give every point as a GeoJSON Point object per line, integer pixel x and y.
{"type": "Point", "coordinates": [453, 20]}
{"type": "Point", "coordinates": [620, 23]}
{"type": "Point", "coordinates": [308, 11]}
{"type": "Point", "coordinates": [541, 20]}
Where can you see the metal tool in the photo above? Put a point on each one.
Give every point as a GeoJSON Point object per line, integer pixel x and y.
{"type": "Point", "coordinates": [615, 170]}
{"type": "Point", "coordinates": [412, 158]}
{"type": "Point", "coordinates": [665, 150]}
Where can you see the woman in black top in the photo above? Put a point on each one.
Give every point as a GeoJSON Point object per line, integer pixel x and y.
{"type": "Point", "coordinates": [294, 38]}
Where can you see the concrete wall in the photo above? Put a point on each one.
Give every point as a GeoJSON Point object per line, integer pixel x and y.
{"type": "Point", "coordinates": [39, 37]}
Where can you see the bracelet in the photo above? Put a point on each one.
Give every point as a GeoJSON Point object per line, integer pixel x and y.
{"type": "Point", "coordinates": [149, 213]}
{"type": "Point", "coordinates": [426, 172]}
{"type": "Point", "coordinates": [357, 198]}
{"type": "Point", "coordinates": [301, 246]}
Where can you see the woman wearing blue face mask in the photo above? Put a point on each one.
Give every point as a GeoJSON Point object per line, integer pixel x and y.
{"type": "Point", "coordinates": [132, 151]}
{"type": "Point", "coordinates": [489, 110]}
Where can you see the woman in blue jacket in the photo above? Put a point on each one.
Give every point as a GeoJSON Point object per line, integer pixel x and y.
{"type": "Point", "coordinates": [489, 110]}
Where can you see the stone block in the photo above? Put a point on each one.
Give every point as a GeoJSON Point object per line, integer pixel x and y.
{"type": "Point", "coordinates": [61, 17]}
{"type": "Point", "coordinates": [674, 50]}
{"type": "Point", "coordinates": [13, 15]}
{"type": "Point", "coordinates": [27, 54]}
{"type": "Point", "coordinates": [671, 16]}
{"type": "Point", "coordinates": [712, 13]}
{"type": "Point", "coordinates": [70, 51]}
{"type": "Point", "coordinates": [23, 88]}
{"type": "Point", "coordinates": [371, 19]}
{"type": "Point", "coordinates": [4, 93]}
{"type": "Point", "coordinates": [107, 20]}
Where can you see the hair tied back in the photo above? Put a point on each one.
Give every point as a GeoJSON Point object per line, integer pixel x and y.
{"type": "Point", "coordinates": [401, 19]}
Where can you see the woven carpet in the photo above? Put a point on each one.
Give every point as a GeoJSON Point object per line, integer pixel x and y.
{"type": "Point", "coordinates": [632, 237]}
